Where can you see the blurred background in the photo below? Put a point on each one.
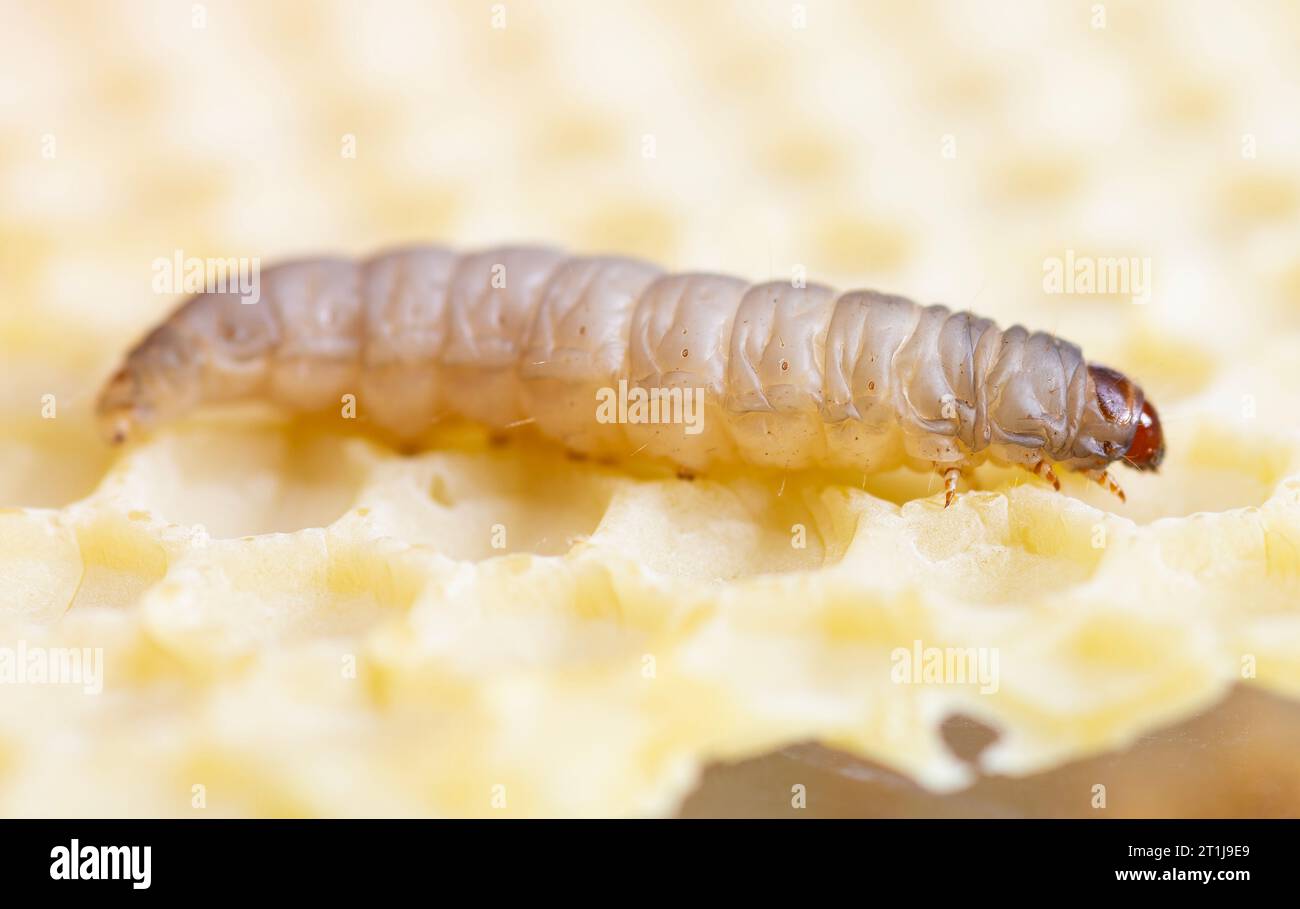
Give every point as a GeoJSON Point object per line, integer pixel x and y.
{"type": "Point", "coordinates": [943, 150]}
{"type": "Point", "coordinates": [948, 151]}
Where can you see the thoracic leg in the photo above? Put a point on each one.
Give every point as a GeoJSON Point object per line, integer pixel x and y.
{"type": "Point", "coordinates": [950, 476]}
{"type": "Point", "coordinates": [1044, 470]}
{"type": "Point", "coordinates": [1105, 479]}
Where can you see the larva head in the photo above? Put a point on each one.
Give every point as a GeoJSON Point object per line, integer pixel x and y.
{"type": "Point", "coordinates": [1129, 428]}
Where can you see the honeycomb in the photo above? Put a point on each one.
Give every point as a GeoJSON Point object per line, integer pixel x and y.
{"type": "Point", "coordinates": [294, 618]}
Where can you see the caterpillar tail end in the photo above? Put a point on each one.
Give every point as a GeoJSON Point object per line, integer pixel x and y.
{"type": "Point", "coordinates": [116, 409]}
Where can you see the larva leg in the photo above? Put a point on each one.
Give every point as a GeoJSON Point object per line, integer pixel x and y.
{"type": "Point", "coordinates": [1043, 469]}
{"type": "Point", "coordinates": [1105, 479]}
{"type": "Point", "coordinates": [950, 477]}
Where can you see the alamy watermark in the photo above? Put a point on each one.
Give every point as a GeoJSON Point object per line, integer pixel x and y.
{"type": "Point", "coordinates": [638, 405]}
{"type": "Point", "coordinates": [921, 665]}
{"type": "Point", "coordinates": [36, 665]}
{"type": "Point", "coordinates": [182, 274]}
{"type": "Point", "coordinates": [1073, 274]}
{"type": "Point", "coordinates": [75, 862]}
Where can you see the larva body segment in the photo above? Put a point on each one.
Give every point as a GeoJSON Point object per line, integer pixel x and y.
{"type": "Point", "coordinates": [578, 345]}
{"type": "Point", "coordinates": [783, 376]}
{"type": "Point", "coordinates": [861, 396]}
{"type": "Point", "coordinates": [405, 294]}
{"type": "Point", "coordinates": [491, 301]}
{"type": "Point", "coordinates": [681, 328]}
{"type": "Point", "coordinates": [775, 367]}
{"type": "Point", "coordinates": [319, 309]}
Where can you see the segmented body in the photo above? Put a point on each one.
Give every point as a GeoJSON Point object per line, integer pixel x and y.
{"type": "Point", "coordinates": [792, 376]}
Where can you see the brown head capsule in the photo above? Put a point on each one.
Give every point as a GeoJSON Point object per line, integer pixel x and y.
{"type": "Point", "coordinates": [1148, 447]}
{"type": "Point", "coordinates": [1136, 437]}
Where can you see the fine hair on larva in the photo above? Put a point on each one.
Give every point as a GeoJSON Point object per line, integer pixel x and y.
{"type": "Point", "coordinates": [778, 374]}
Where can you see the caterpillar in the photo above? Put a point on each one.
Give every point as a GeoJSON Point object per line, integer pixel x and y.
{"type": "Point", "coordinates": [785, 375]}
